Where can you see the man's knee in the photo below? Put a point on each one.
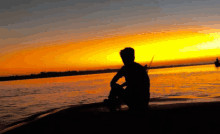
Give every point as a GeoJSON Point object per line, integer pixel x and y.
{"type": "Point", "coordinates": [116, 87]}
{"type": "Point", "coordinates": [116, 91]}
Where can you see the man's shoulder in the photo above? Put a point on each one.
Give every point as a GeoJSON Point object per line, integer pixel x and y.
{"type": "Point", "coordinates": [138, 65]}
{"type": "Point", "coordinates": [122, 69]}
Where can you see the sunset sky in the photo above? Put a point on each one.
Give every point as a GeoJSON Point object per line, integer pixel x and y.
{"type": "Point", "coordinates": [63, 35]}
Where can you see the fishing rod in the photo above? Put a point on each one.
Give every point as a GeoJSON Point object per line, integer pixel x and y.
{"type": "Point", "coordinates": [150, 63]}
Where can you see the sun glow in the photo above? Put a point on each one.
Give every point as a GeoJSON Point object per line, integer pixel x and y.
{"type": "Point", "coordinates": [168, 47]}
{"type": "Point", "coordinates": [95, 54]}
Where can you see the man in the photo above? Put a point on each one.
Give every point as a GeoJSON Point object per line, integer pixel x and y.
{"type": "Point", "coordinates": [137, 93]}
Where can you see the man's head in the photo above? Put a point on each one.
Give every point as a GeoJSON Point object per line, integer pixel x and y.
{"type": "Point", "coordinates": [127, 55]}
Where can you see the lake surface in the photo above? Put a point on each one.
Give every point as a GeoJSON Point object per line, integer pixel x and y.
{"type": "Point", "coordinates": [23, 98]}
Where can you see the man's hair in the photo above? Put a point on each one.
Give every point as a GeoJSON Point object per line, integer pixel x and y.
{"type": "Point", "coordinates": [128, 52]}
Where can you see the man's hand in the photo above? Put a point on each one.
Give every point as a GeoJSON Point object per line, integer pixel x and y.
{"type": "Point", "coordinates": [114, 80]}
{"type": "Point", "coordinates": [124, 84]}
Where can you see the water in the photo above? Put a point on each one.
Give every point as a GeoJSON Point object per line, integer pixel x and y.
{"type": "Point", "coordinates": [23, 98]}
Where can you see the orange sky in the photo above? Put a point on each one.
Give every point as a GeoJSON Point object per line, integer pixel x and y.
{"type": "Point", "coordinates": [99, 53]}
{"type": "Point", "coordinates": [58, 38]}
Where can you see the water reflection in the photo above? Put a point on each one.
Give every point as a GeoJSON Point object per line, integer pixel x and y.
{"type": "Point", "coordinates": [19, 99]}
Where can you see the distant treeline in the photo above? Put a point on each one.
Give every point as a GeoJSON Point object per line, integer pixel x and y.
{"type": "Point", "coordinates": [72, 73]}
{"type": "Point", "coordinates": [56, 74]}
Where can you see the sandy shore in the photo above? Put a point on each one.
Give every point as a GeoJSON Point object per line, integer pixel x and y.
{"type": "Point", "coordinates": [94, 119]}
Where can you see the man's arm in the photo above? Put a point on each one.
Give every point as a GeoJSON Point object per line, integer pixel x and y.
{"type": "Point", "coordinates": [116, 78]}
{"type": "Point", "coordinates": [124, 84]}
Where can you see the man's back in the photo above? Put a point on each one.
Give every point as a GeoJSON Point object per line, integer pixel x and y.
{"type": "Point", "coordinates": [137, 80]}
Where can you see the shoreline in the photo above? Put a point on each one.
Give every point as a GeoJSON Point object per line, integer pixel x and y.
{"type": "Point", "coordinates": [76, 73]}
{"type": "Point", "coordinates": [90, 105]}
{"type": "Point", "coordinates": [95, 113]}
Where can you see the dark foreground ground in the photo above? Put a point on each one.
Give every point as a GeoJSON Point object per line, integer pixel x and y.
{"type": "Point", "coordinates": [201, 118]}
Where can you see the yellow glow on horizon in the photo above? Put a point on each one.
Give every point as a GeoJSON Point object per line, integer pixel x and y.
{"type": "Point", "coordinates": [84, 55]}
{"type": "Point", "coordinates": [169, 48]}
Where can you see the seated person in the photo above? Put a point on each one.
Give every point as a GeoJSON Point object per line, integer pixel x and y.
{"type": "Point", "coordinates": [137, 94]}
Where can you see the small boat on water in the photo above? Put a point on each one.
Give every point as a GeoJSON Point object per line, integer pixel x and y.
{"type": "Point", "coordinates": [217, 64]}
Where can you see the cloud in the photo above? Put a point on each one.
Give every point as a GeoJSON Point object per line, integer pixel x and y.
{"type": "Point", "coordinates": [36, 20]}
{"type": "Point", "coordinates": [25, 4]}
{"type": "Point", "coordinates": [69, 19]}
{"type": "Point", "coordinates": [9, 4]}
{"type": "Point", "coordinates": [5, 34]}
{"type": "Point", "coordinates": [39, 10]}
{"type": "Point", "coordinates": [8, 18]}
{"type": "Point", "coordinates": [214, 44]}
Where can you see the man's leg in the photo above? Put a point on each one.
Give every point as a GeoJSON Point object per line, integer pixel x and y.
{"type": "Point", "coordinates": [114, 98]}
{"type": "Point", "coordinates": [116, 92]}
{"type": "Point", "coordinates": [127, 98]}
{"type": "Point", "coordinates": [136, 104]}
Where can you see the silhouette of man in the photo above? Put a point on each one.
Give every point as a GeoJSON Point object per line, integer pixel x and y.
{"type": "Point", "coordinates": [137, 93]}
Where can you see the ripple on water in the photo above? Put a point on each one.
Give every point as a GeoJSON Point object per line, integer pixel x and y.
{"type": "Point", "coordinates": [27, 97]}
